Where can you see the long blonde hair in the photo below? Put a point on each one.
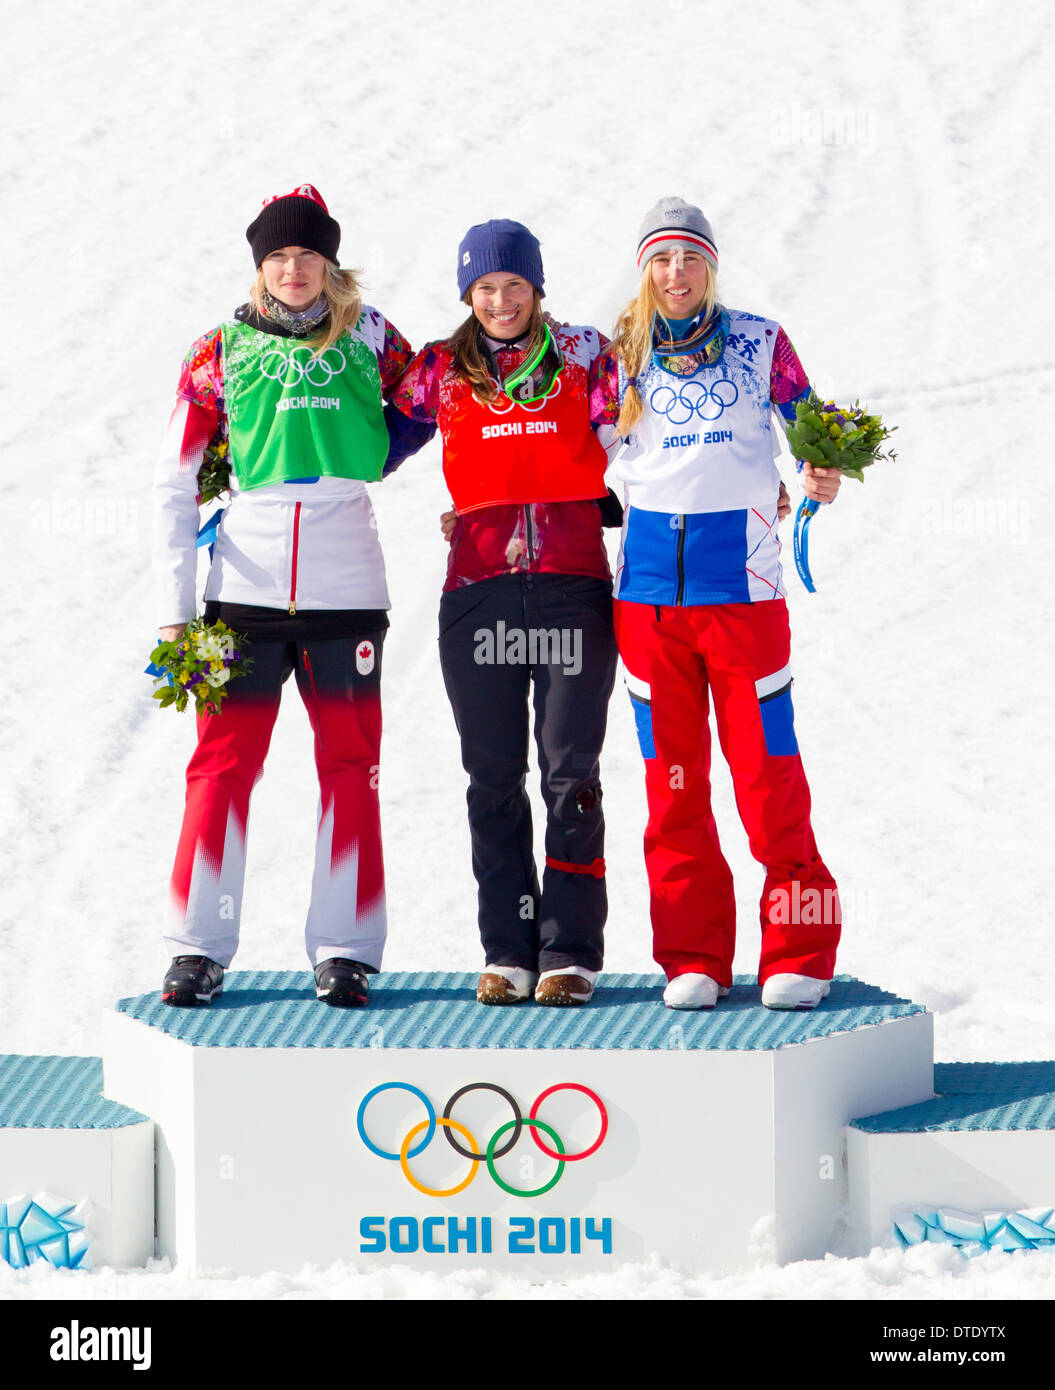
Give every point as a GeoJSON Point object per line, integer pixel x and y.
{"type": "Point", "coordinates": [632, 340]}
{"type": "Point", "coordinates": [469, 360]}
{"type": "Point", "coordinates": [341, 288]}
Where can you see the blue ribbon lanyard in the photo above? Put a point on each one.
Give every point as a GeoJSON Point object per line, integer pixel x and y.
{"type": "Point", "coordinates": [207, 534]}
{"type": "Point", "coordinates": [805, 514]}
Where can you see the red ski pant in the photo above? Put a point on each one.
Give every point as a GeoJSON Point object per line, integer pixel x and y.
{"type": "Point", "coordinates": [339, 683]}
{"type": "Point", "coordinates": [679, 660]}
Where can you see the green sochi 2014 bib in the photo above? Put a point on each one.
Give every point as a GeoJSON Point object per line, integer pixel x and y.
{"type": "Point", "coordinates": [292, 414]}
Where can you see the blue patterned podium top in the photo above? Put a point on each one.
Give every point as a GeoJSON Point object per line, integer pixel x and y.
{"type": "Point", "coordinates": [976, 1096]}
{"type": "Point", "coordinates": [58, 1093]}
{"type": "Point", "coordinates": [265, 1008]}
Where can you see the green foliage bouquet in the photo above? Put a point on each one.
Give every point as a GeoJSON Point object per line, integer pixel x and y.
{"type": "Point", "coordinates": [214, 475]}
{"type": "Point", "coordinates": [201, 664]}
{"type": "Point", "coordinates": [843, 437]}
{"type": "Point", "coordinates": [832, 436]}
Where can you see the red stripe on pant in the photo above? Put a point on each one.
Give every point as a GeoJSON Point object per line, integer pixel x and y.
{"type": "Point", "coordinates": [348, 892]}
{"type": "Point", "coordinates": [347, 747]}
{"type": "Point", "coordinates": [690, 657]}
{"type": "Point", "coordinates": [221, 774]}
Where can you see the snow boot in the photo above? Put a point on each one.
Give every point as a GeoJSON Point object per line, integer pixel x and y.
{"type": "Point", "coordinates": [572, 985]}
{"type": "Point", "coordinates": [799, 992]}
{"type": "Point", "coordinates": [693, 991]}
{"type": "Point", "coordinates": [192, 980]}
{"type": "Point", "coordinates": [342, 983]}
{"type": "Point", "coordinates": [505, 984]}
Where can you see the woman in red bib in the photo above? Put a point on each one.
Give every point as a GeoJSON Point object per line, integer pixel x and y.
{"type": "Point", "coordinates": [526, 611]}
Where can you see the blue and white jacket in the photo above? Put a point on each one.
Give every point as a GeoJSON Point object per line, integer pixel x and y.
{"type": "Point", "coordinates": [699, 473]}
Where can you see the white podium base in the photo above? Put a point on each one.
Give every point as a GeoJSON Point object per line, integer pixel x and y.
{"type": "Point", "coordinates": [713, 1139]}
{"type": "Point", "coordinates": [973, 1167]}
{"type": "Point", "coordinates": [76, 1171]}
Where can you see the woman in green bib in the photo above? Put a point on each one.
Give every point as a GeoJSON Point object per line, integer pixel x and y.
{"type": "Point", "coordinates": [293, 385]}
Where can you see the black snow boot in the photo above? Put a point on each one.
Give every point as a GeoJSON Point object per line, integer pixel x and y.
{"type": "Point", "coordinates": [342, 983]}
{"type": "Point", "coordinates": [192, 980]}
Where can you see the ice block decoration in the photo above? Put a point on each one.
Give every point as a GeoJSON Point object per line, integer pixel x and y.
{"type": "Point", "coordinates": [975, 1233]}
{"type": "Point", "coordinates": [47, 1228]}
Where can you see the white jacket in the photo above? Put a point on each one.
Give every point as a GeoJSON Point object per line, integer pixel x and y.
{"type": "Point", "coordinates": [304, 545]}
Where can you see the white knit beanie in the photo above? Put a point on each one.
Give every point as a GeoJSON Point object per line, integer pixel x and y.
{"type": "Point", "coordinates": [675, 223]}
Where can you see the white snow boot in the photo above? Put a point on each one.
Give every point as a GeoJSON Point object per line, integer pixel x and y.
{"type": "Point", "coordinates": [693, 992]}
{"type": "Point", "coordinates": [793, 992]}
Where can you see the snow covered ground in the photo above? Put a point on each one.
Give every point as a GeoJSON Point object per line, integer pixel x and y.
{"type": "Point", "coordinates": [874, 176]}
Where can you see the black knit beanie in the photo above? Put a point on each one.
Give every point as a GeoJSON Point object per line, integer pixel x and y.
{"type": "Point", "coordinates": [300, 218]}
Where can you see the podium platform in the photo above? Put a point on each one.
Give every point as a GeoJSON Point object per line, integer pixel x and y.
{"type": "Point", "coordinates": [76, 1170]}
{"type": "Point", "coordinates": [973, 1167]}
{"type": "Point", "coordinates": [430, 1131]}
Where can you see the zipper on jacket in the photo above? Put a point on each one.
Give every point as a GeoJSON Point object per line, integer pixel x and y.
{"type": "Point", "coordinates": [293, 568]}
{"type": "Point", "coordinates": [679, 598]}
{"type": "Point", "coordinates": [529, 533]}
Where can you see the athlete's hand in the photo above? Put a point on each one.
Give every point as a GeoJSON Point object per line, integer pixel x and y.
{"type": "Point", "coordinates": [783, 504]}
{"type": "Point", "coordinates": [173, 634]}
{"type": "Point", "coordinates": [447, 521]}
{"type": "Point", "coordinates": [820, 483]}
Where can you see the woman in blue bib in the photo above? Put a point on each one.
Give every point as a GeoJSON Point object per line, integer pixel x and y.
{"type": "Point", "coordinates": [692, 389]}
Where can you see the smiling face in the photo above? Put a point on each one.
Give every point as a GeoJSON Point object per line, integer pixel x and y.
{"type": "Point", "coordinates": [294, 276]}
{"type": "Point", "coordinates": [679, 282]}
{"type": "Point", "coordinates": [503, 304]}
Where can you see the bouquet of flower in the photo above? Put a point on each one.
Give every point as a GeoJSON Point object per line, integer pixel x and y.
{"type": "Point", "coordinates": [214, 475]}
{"type": "Point", "coordinates": [831, 436]}
{"type": "Point", "coordinates": [202, 663]}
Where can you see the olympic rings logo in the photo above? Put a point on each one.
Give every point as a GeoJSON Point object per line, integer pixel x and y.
{"type": "Point", "coordinates": [493, 1149]}
{"type": "Point", "coordinates": [693, 398]}
{"type": "Point", "coordinates": [302, 365]}
{"type": "Point", "coordinates": [497, 408]}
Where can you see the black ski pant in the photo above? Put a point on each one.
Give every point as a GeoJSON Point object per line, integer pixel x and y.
{"type": "Point", "coordinates": [508, 645]}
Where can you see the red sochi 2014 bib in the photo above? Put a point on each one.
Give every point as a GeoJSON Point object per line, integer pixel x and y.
{"type": "Point", "coordinates": [506, 452]}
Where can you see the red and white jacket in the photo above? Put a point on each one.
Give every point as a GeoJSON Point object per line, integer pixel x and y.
{"type": "Point", "coordinates": [310, 544]}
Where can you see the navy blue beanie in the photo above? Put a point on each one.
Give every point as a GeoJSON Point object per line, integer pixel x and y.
{"type": "Point", "coordinates": [499, 245]}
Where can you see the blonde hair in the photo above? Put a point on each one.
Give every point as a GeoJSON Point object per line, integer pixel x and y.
{"type": "Point", "coordinates": [341, 288]}
{"type": "Point", "coordinates": [632, 340]}
{"type": "Point", "coordinates": [469, 360]}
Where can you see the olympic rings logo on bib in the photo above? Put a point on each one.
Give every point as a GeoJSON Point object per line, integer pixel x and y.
{"type": "Point", "coordinates": [472, 1149]}
{"type": "Point", "coordinates": [302, 365]}
{"type": "Point", "coordinates": [693, 398]}
{"type": "Point", "coordinates": [502, 405]}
